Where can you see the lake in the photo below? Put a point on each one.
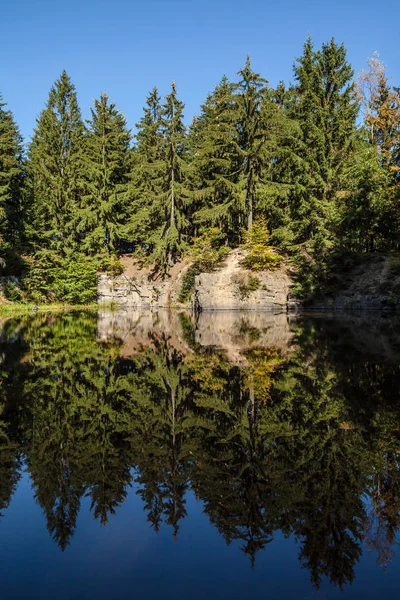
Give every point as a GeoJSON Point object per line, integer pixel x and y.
{"type": "Point", "coordinates": [237, 455]}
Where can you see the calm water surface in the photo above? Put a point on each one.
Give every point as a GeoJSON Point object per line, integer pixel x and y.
{"type": "Point", "coordinates": [236, 455]}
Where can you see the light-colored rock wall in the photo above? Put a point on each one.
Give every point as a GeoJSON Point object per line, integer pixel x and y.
{"type": "Point", "coordinates": [229, 287]}
{"type": "Point", "coordinates": [140, 290]}
{"type": "Point", "coordinates": [225, 288]}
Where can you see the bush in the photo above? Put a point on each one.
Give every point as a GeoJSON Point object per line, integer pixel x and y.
{"type": "Point", "coordinates": [260, 255]}
{"type": "Point", "coordinates": [75, 282]}
{"type": "Point", "coordinates": [11, 291]}
{"type": "Point", "coordinates": [111, 265]}
{"type": "Point", "coordinates": [50, 278]}
{"type": "Point", "coordinates": [188, 281]}
{"type": "Point", "coordinates": [209, 249]}
{"type": "Point", "coordinates": [245, 285]}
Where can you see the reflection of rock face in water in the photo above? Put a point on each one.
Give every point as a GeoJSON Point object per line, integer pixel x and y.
{"type": "Point", "coordinates": [235, 331]}
{"type": "Point", "coordinates": [231, 331]}
{"type": "Point", "coordinates": [136, 328]}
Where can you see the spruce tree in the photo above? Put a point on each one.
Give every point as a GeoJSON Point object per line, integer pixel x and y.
{"type": "Point", "coordinates": [55, 170]}
{"type": "Point", "coordinates": [252, 96]}
{"type": "Point", "coordinates": [326, 109]}
{"type": "Point", "coordinates": [11, 181]}
{"type": "Point", "coordinates": [106, 163]}
{"type": "Point", "coordinates": [170, 197]}
{"type": "Point", "coordinates": [147, 173]}
{"type": "Point", "coordinates": [216, 160]}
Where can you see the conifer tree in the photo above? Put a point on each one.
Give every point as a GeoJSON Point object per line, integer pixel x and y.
{"type": "Point", "coordinates": [326, 109]}
{"type": "Point", "coordinates": [175, 196]}
{"type": "Point", "coordinates": [11, 180]}
{"type": "Point", "coordinates": [56, 170]}
{"type": "Point", "coordinates": [214, 138]}
{"type": "Point", "coordinates": [252, 91]}
{"type": "Point", "coordinates": [106, 166]}
{"type": "Point", "coordinates": [147, 172]}
{"type": "Point", "coordinates": [168, 208]}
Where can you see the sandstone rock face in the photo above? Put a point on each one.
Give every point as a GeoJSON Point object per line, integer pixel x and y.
{"type": "Point", "coordinates": [233, 287]}
{"type": "Point", "coordinates": [228, 287]}
{"type": "Point", "coordinates": [139, 290]}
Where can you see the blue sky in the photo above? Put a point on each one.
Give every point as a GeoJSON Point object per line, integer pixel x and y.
{"type": "Point", "coordinates": [125, 47]}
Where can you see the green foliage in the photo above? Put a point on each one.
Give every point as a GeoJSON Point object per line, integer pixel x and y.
{"type": "Point", "coordinates": [56, 171]}
{"type": "Point", "coordinates": [11, 182]}
{"type": "Point", "coordinates": [245, 285]}
{"type": "Point", "coordinates": [188, 282]}
{"type": "Point", "coordinates": [11, 291]}
{"type": "Point", "coordinates": [107, 165]}
{"type": "Point", "coordinates": [394, 265]}
{"type": "Point", "coordinates": [208, 249]}
{"type": "Point", "coordinates": [206, 253]}
{"type": "Point", "coordinates": [261, 256]}
{"type": "Point", "coordinates": [50, 278]}
{"type": "Point", "coordinates": [111, 265]}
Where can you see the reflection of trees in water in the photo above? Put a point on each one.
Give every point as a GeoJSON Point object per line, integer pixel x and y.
{"type": "Point", "coordinates": [287, 444]}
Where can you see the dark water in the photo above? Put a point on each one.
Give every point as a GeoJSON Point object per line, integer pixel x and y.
{"type": "Point", "coordinates": [234, 456]}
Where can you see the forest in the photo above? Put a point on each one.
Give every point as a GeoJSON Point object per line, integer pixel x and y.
{"type": "Point", "coordinates": [315, 163]}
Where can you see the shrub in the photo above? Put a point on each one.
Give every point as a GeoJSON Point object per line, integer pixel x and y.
{"type": "Point", "coordinates": [11, 291]}
{"type": "Point", "coordinates": [261, 256]}
{"type": "Point", "coordinates": [111, 265]}
{"type": "Point", "coordinates": [50, 278]}
{"type": "Point", "coordinates": [244, 286]}
{"type": "Point", "coordinates": [208, 249]}
{"type": "Point", "coordinates": [188, 281]}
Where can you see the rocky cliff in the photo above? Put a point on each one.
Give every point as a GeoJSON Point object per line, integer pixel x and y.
{"type": "Point", "coordinates": [230, 286]}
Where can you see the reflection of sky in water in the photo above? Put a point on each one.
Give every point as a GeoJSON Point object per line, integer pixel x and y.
{"type": "Point", "coordinates": [128, 559]}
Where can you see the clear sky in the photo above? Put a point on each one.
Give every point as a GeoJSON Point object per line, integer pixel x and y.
{"type": "Point", "coordinates": [125, 47]}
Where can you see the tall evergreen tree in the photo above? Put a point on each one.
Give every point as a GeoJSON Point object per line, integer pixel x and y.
{"type": "Point", "coordinates": [56, 169]}
{"type": "Point", "coordinates": [326, 109]}
{"type": "Point", "coordinates": [147, 172]}
{"type": "Point", "coordinates": [252, 96]}
{"type": "Point", "coordinates": [11, 180]}
{"type": "Point", "coordinates": [106, 166]}
{"type": "Point", "coordinates": [168, 197]}
{"type": "Point", "coordinates": [214, 138]}
{"type": "Point", "coordinates": [175, 199]}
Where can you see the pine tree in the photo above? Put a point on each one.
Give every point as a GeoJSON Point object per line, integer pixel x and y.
{"type": "Point", "coordinates": [364, 223]}
{"type": "Point", "coordinates": [11, 181]}
{"type": "Point", "coordinates": [106, 167]}
{"type": "Point", "coordinates": [55, 170]}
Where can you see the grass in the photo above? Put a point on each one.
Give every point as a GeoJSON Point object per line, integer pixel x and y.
{"type": "Point", "coordinates": [15, 308]}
